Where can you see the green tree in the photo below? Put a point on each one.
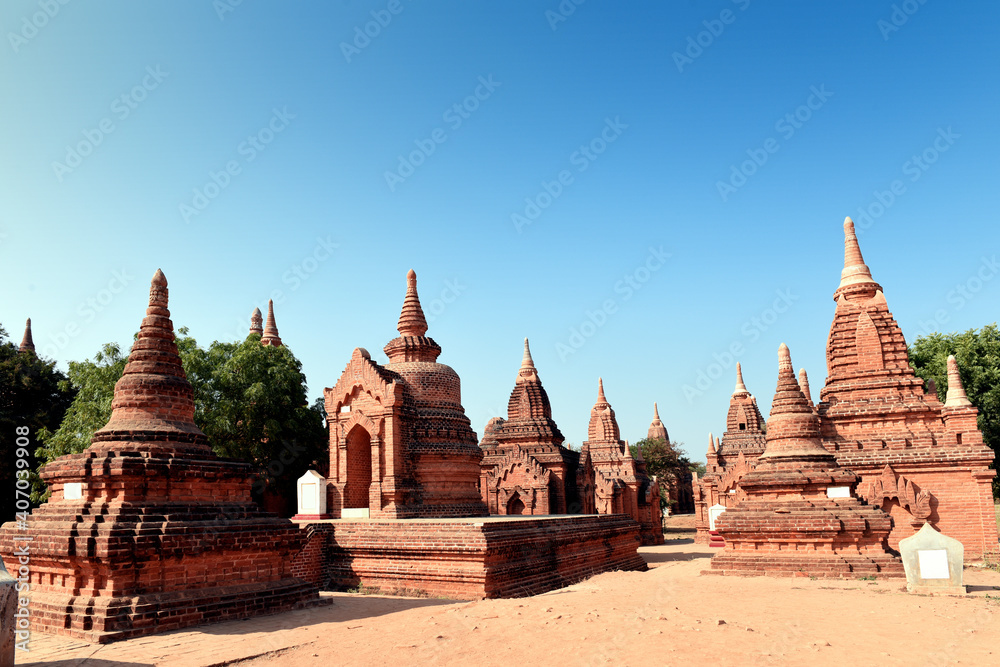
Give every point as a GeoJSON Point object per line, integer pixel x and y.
{"type": "Point", "coordinates": [978, 357]}
{"type": "Point", "coordinates": [33, 393]}
{"type": "Point", "coordinates": [257, 411]}
{"type": "Point", "coordinates": [665, 462]}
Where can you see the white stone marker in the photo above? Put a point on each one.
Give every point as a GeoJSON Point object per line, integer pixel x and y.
{"type": "Point", "coordinates": [933, 562]}
{"type": "Point", "coordinates": [713, 513]}
{"type": "Point", "coordinates": [312, 495]}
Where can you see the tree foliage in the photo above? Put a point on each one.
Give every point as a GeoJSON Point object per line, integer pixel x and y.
{"type": "Point", "coordinates": [33, 393]}
{"type": "Point", "coordinates": [250, 401]}
{"type": "Point", "coordinates": [665, 462]}
{"type": "Point", "coordinates": [978, 357]}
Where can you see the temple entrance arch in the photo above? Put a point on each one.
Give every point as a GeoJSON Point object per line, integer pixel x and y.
{"type": "Point", "coordinates": [359, 467]}
{"type": "Point", "coordinates": [515, 505]}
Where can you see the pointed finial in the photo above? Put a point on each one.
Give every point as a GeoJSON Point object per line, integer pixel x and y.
{"type": "Point", "coordinates": [158, 294]}
{"type": "Point", "coordinates": [411, 319]}
{"type": "Point", "coordinates": [956, 397]}
{"type": "Point", "coordinates": [270, 337]}
{"type": "Point", "coordinates": [804, 385]}
{"type": "Point", "coordinates": [656, 412]}
{"type": "Point", "coordinates": [711, 443]}
{"type": "Point", "coordinates": [600, 391]}
{"type": "Point", "coordinates": [27, 344]}
{"type": "Point", "coordinates": [526, 360]}
{"type": "Point", "coordinates": [638, 454]}
{"type": "Point", "coordinates": [785, 362]}
{"type": "Point", "coordinates": [740, 387]}
{"type": "Point", "coordinates": [855, 271]}
{"type": "Point", "coordinates": [628, 451]}
{"type": "Point", "coordinates": [256, 322]}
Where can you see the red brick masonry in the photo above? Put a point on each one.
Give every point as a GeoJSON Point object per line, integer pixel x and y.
{"type": "Point", "coordinates": [468, 558]}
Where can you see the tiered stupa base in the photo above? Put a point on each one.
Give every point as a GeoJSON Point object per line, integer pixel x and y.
{"type": "Point", "coordinates": [178, 544]}
{"type": "Point", "coordinates": [494, 557]}
{"type": "Point", "coordinates": [816, 538]}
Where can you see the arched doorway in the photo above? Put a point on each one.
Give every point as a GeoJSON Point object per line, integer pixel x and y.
{"type": "Point", "coordinates": [359, 467]}
{"type": "Point", "coordinates": [515, 505]}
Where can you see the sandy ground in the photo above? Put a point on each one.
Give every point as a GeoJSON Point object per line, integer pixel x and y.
{"type": "Point", "coordinates": [670, 614]}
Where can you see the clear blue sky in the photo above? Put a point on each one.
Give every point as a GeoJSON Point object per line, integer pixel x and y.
{"type": "Point", "coordinates": [116, 113]}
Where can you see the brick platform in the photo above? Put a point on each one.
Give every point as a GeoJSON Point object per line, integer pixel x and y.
{"type": "Point", "coordinates": [468, 558]}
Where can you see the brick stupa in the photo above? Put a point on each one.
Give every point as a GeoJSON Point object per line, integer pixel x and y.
{"type": "Point", "coordinates": [618, 482]}
{"type": "Point", "coordinates": [147, 530]}
{"type": "Point", "coordinates": [525, 468]}
{"type": "Point", "coordinates": [678, 490]}
{"type": "Point", "coordinates": [27, 344]}
{"type": "Point", "coordinates": [800, 516]}
{"type": "Point", "coordinates": [729, 458]}
{"type": "Point", "coordinates": [919, 459]}
{"type": "Point", "coordinates": [401, 445]}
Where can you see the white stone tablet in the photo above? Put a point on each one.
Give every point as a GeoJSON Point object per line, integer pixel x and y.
{"type": "Point", "coordinates": [933, 564]}
{"type": "Point", "coordinates": [838, 492]}
{"type": "Point", "coordinates": [73, 490]}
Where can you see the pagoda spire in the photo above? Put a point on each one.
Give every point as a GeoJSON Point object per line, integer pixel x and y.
{"type": "Point", "coordinates": [711, 443]}
{"type": "Point", "coordinates": [804, 386]}
{"type": "Point", "coordinates": [656, 428]}
{"type": "Point", "coordinates": [527, 370]}
{"type": "Point", "coordinates": [855, 271]}
{"type": "Point", "coordinates": [411, 319]}
{"type": "Point", "coordinates": [793, 430]}
{"type": "Point", "coordinates": [740, 387]}
{"type": "Point", "coordinates": [600, 391]}
{"type": "Point", "coordinates": [956, 397]}
{"type": "Point", "coordinates": [270, 337]}
{"type": "Point", "coordinates": [27, 344]}
{"type": "Point", "coordinates": [153, 400]}
{"type": "Point", "coordinates": [256, 322]}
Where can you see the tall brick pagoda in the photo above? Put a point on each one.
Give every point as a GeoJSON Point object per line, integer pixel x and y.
{"type": "Point", "coordinates": [147, 530]}
{"type": "Point", "coordinates": [800, 516]}
{"type": "Point", "coordinates": [525, 468]}
{"type": "Point", "coordinates": [270, 337]}
{"type": "Point", "coordinates": [619, 483]}
{"type": "Point", "coordinates": [400, 443]}
{"type": "Point", "coordinates": [918, 459]}
{"type": "Point", "coordinates": [741, 445]}
{"type": "Point", "coordinates": [27, 344]}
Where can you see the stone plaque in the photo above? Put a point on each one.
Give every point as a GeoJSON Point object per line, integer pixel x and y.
{"type": "Point", "coordinates": [73, 491]}
{"type": "Point", "coordinates": [933, 563]}
{"type": "Point", "coordinates": [713, 513]}
{"type": "Point", "coordinates": [838, 492]}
